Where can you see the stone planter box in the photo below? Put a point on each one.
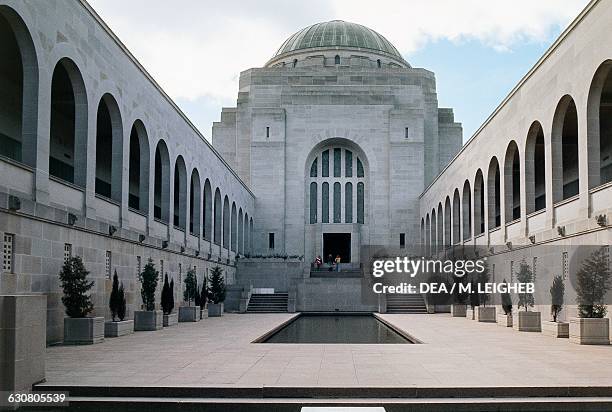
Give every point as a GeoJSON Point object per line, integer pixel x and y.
{"type": "Point", "coordinates": [469, 313]}
{"type": "Point", "coordinates": [116, 329]}
{"type": "Point", "coordinates": [556, 329]}
{"type": "Point", "coordinates": [189, 314]}
{"type": "Point", "coordinates": [589, 331]}
{"type": "Point", "coordinates": [148, 320]}
{"type": "Point", "coordinates": [527, 322]}
{"type": "Point", "coordinates": [215, 309]}
{"type": "Point", "coordinates": [504, 320]}
{"type": "Point", "coordinates": [204, 313]}
{"type": "Point", "coordinates": [458, 310]}
{"type": "Point", "coordinates": [170, 320]}
{"type": "Point", "coordinates": [485, 314]}
{"type": "Point", "coordinates": [83, 331]}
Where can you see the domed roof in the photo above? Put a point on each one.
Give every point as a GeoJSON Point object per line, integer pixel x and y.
{"type": "Point", "coordinates": [338, 34]}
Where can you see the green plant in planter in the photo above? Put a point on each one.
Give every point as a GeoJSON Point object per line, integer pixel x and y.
{"type": "Point", "coordinates": [148, 281]}
{"type": "Point", "coordinates": [525, 275]}
{"type": "Point", "coordinates": [75, 285]}
{"type": "Point", "coordinates": [166, 297]}
{"type": "Point", "coordinates": [459, 297]}
{"type": "Point", "coordinates": [481, 279]}
{"type": "Point", "coordinates": [592, 284]}
{"type": "Point", "coordinates": [557, 290]}
{"type": "Point", "coordinates": [171, 295]}
{"type": "Point", "coordinates": [216, 292]}
{"type": "Point", "coordinates": [122, 308]}
{"type": "Point", "coordinates": [203, 294]}
{"type": "Point", "coordinates": [196, 299]}
{"type": "Point", "coordinates": [190, 286]}
{"type": "Point", "coordinates": [506, 301]}
{"type": "Point", "coordinates": [117, 303]}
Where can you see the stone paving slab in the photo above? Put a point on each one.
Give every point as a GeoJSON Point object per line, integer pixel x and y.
{"type": "Point", "coordinates": [217, 352]}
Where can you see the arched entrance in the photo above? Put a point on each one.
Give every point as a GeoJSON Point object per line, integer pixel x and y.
{"type": "Point", "coordinates": [336, 206]}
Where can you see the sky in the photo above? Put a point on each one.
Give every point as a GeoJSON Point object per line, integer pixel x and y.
{"type": "Point", "coordinates": [478, 49]}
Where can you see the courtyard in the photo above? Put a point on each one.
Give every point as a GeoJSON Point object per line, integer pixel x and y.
{"type": "Point", "coordinates": [218, 352]}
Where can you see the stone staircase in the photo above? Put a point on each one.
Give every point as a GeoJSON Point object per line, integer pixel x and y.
{"type": "Point", "coordinates": [268, 303]}
{"type": "Point", "coordinates": [406, 303]}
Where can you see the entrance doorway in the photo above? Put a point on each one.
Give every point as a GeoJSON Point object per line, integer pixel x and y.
{"type": "Point", "coordinates": [337, 244]}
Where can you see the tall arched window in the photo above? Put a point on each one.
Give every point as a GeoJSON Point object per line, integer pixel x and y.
{"type": "Point", "coordinates": [344, 202]}
{"type": "Point", "coordinates": [348, 200]}
{"type": "Point", "coordinates": [466, 211]}
{"type": "Point", "coordinates": [180, 193]}
{"type": "Point", "coordinates": [161, 195]}
{"type": "Point", "coordinates": [207, 212]}
{"type": "Point", "coordinates": [456, 217]}
{"type": "Point", "coordinates": [512, 183]}
{"type": "Point", "coordinates": [138, 195]}
{"type": "Point", "coordinates": [109, 136]}
{"type": "Point", "coordinates": [194, 204]}
{"type": "Point", "coordinates": [599, 126]}
{"type": "Point", "coordinates": [494, 198]}
{"type": "Point", "coordinates": [313, 202]}
{"type": "Point", "coordinates": [479, 203]}
{"type": "Point", "coordinates": [337, 203]}
{"type": "Point", "coordinates": [68, 130]}
{"type": "Point", "coordinates": [535, 169]}
{"type": "Point", "coordinates": [240, 233]}
{"type": "Point", "coordinates": [18, 89]}
{"type": "Point", "coordinates": [234, 228]}
{"type": "Point", "coordinates": [226, 223]}
{"type": "Point", "coordinates": [217, 212]}
{"type": "Point", "coordinates": [564, 144]}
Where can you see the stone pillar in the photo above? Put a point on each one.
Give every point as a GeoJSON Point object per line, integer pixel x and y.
{"type": "Point", "coordinates": [23, 323]}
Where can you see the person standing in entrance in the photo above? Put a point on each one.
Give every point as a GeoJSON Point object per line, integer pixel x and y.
{"type": "Point", "coordinates": [330, 262]}
{"type": "Point", "coordinates": [338, 263]}
{"type": "Point", "coordinates": [318, 262]}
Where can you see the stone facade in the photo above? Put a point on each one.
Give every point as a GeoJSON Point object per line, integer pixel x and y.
{"type": "Point", "coordinates": [45, 216]}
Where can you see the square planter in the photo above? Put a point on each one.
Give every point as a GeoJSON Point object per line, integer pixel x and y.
{"type": "Point", "coordinates": [215, 309]}
{"type": "Point", "coordinates": [170, 320]}
{"type": "Point", "coordinates": [458, 310]}
{"type": "Point", "coordinates": [116, 329]}
{"type": "Point", "coordinates": [469, 313]}
{"type": "Point", "coordinates": [83, 331]}
{"type": "Point", "coordinates": [527, 321]}
{"type": "Point", "coordinates": [589, 331]}
{"type": "Point", "coordinates": [189, 314]}
{"type": "Point", "coordinates": [148, 320]}
{"type": "Point", "coordinates": [485, 314]}
{"type": "Point", "coordinates": [555, 329]}
{"type": "Point", "coordinates": [504, 320]}
{"type": "Point", "coordinates": [204, 313]}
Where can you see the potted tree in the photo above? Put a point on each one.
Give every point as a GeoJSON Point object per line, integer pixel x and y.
{"type": "Point", "coordinates": [459, 306]}
{"type": "Point", "coordinates": [216, 292]}
{"type": "Point", "coordinates": [190, 313]}
{"type": "Point", "coordinates": [474, 300]}
{"type": "Point", "coordinates": [483, 313]}
{"type": "Point", "coordinates": [526, 321]}
{"type": "Point", "coordinates": [167, 304]}
{"type": "Point", "coordinates": [149, 318]}
{"type": "Point", "coordinates": [505, 319]}
{"type": "Point", "coordinates": [591, 327]}
{"type": "Point", "coordinates": [118, 326]}
{"type": "Point", "coordinates": [203, 298]}
{"type": "Point", "coordinates": [79, 329]}
{"type": "Point", "coordinates": [556, 328]}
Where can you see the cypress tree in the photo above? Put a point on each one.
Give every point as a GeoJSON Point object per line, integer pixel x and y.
{"type": "Point", "coordinates": [165, 297]}
{"type": "Point", "coordinates": [557, 290]}
{"type": "Point", "coordinates": [592, 284]}
{"type": "Point", "coordinates": [122, 308]}
{"type": "Point", "coordinates": [525, 275]}
{"type": "Point", "coordinates": [115, 299]}
{"type": "Point", "coordinates": [171, 295]}
{"type": "Point", "coordinates": [75, 285]}
{"type": "Point", "coordinates": [216, 293]}
{"type": "Point", "coordinates": [148, 280]}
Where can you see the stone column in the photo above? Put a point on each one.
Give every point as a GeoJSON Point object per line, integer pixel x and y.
{"type": "Point", "coordinates": [23, 323]}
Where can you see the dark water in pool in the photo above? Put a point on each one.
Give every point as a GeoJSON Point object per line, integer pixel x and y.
{"type": "Point", "coordinates": [336, 329]}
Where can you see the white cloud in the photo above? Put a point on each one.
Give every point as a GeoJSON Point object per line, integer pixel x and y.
{"type": "Point", "coordinates": [197, 49]}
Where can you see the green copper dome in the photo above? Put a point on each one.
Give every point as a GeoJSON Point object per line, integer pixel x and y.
{"type": "Point", "coordinates": [338, 34]}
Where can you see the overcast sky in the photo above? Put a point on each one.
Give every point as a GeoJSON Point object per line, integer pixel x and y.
{"type": "Point", "coordinates": [478, 49]}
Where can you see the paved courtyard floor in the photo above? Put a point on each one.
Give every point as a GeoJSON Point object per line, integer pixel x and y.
{"type": "Point", "coordinates": [218, 352]}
